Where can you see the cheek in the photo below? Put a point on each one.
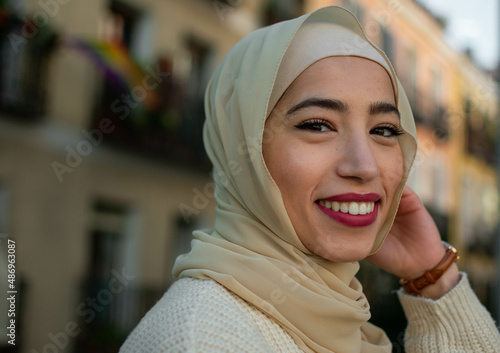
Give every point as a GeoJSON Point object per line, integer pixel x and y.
{"type": "Point", "coordinates": [294, 168]}
{"type": "Point", "coordinates": [392, 170]}
{"type": "Point", "coordinates": [285, 167]}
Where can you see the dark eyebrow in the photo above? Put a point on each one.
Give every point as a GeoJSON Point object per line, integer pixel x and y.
{"type": "Point", "coordinates": [331, 104]}
{"type": "Point", "coordinates": [383, 107]}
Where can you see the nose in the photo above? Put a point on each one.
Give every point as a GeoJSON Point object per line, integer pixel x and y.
{"type": "Point", "coordinates": [357, 160]}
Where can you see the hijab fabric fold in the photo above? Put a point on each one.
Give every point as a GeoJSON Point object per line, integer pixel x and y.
{"type": "Point", "coordinates": [253, 249]}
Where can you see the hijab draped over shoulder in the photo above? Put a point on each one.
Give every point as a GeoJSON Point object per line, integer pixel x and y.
{"type": "Point", "coordinates": [253, 249]}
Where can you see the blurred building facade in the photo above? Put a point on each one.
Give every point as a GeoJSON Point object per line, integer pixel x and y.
{"type": "Point", "coordinates": [103, 175]}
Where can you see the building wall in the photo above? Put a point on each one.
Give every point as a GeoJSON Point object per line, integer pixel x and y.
{"type": "Point", "coordinates": [51, 217]}
{"type": "Point", "coordinates": [51, 222]}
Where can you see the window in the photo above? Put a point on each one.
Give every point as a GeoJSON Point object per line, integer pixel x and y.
{"type": "Point", "coordinates": [107, 239]}
{"type": "Point", "coordinates": [413, 77]}
{"type": "Point", "coordinates": [355, 8]}
{"type": "Point", "coordinates": [160, 115]}
{"type": "Point", "coordinates": [15, 6]}
{"type": "Point", "coordinates": [436, 88]}
{"type": "Point", "coordinates": [25, 49]}
{"type": "Point", "coordinates": [387, 43]}
{"type": "Point", "coordinates": [181, 242]}
{"type": "Point", "coordinates": [280, 10]}
{"type": "Point", "coordinates": [108, 305]}
{"type": "Point", "coordinates": [481, 132]}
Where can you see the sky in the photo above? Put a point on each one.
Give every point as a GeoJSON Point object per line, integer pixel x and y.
{"type": "Point", "coordinates": [475, 26]}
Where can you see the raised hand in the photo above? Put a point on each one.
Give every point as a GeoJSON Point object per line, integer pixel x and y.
{"type": "Point", "coordinates": [413, 246]}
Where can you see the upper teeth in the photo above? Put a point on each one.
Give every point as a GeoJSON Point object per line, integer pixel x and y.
{"type": "Point", "coordinates": [354, 208]}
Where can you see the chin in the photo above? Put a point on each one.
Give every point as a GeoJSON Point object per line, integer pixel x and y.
{"type": "Point", "coordinates": [345, 255]}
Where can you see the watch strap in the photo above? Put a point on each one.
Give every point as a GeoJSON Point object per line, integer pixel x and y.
{"type": "Point", "coordinates": [415, 286]}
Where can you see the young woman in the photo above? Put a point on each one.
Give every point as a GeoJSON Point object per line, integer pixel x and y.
{"type": "Point", "coordinates": [312, 139]}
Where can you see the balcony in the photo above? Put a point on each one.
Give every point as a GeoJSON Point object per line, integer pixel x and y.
{"type": "Point", "coordinates": [428, 113]}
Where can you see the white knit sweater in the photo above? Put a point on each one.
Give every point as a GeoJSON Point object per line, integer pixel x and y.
{"type": "Point", "coordinates": [202, 316]}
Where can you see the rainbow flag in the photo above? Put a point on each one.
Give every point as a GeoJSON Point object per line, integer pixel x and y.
{"type": "Point", "coordinates": [115, 62]}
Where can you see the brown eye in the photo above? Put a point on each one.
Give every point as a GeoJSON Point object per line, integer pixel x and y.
{"type": "Point", "coordinates": [387, 131]}
{"type": "Point", "coordinates": [316, 125]}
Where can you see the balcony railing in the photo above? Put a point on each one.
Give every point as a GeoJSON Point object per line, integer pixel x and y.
{"type": "Point", "coordinates": [426, 111]}
{"type": "Point", "coordinates": [172, 133]}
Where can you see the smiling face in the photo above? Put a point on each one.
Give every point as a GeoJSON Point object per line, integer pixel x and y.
{"type": "Point", "coordinates": [331, 146]}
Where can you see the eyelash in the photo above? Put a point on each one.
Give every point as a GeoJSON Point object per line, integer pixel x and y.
{"type": "Point", "coordinates": [395, 131]}
{"type": "Point", "coordinates": [310, 124]}
{"type": "Point", "coordinates": [315, 125]}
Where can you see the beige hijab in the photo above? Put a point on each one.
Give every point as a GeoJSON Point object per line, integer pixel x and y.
{"type": "Point", "coordinates": [253, 249]}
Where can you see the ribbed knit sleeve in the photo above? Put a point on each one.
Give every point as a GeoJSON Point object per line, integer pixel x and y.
{"type": "Point", "coordinates": [456, 322]}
